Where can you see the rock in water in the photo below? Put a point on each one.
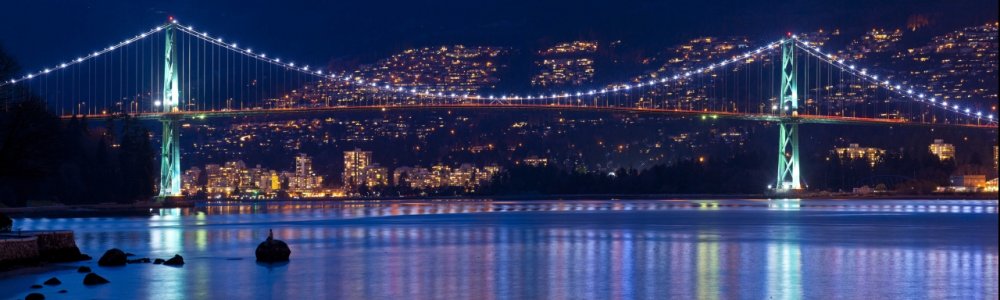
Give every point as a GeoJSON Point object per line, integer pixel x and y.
{"type": "Point", "coordinates": [113, 257]}
{"type": "Point", "coordinates": [34, 296]}
{"type": "Point", "coordinates": [158, 261]}
{"type": "Point", "coordinates": [52, 281]}
{"type": "Point", "coordinates": [177, 260]}
{"type": "Point", "coordinates": [36, 286]}
{"type": "Point", "coordinates": [83, 269]}
{"type": "Point", "coordinates": [93, 279]}
{"type": "Point", "coordinates": [272, 250]}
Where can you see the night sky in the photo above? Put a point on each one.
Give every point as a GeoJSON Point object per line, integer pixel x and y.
{"type": "Point", "coordinates": [43, 32]}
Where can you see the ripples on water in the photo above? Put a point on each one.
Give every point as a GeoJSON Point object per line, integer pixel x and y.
{"type": "Point", "coordinates": [477, 249]}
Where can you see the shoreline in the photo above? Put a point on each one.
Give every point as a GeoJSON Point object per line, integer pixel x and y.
{"type": "Point", "coordinates": [144, 209]}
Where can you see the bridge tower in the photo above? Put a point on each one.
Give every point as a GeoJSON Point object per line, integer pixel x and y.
{"type": "Point", "coordinates": [788, 136]}
{"type": "Point", "coordinates": [170, 156]}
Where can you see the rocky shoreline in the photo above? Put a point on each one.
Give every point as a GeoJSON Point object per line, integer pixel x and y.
{"type": "Point", "coordinates": [32, 248]}
{"type": "Point", "coordinates": [36, 248]}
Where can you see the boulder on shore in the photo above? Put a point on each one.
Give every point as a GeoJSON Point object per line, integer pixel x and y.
{"type": "Point", "coordinates": [177, 260]}
{"type": "Point", "coordinates": [52, 281]}
{"type": "Point", "coordinates": [34, 296]}
{"type": "Point", "coordinates": [272, 250]}
{"type": "Point", "coordinates": [94, 279]}
{"type": "Point", "coordinates": [113, 257]}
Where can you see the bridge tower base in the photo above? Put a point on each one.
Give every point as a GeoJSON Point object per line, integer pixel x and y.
{"type": "Point", "coordinates": [788, 157]}
{"type": "Point", "coordinates": [170, 159]}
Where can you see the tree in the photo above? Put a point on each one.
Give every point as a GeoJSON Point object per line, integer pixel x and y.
{"type": "Point", "coordinates": [6, 223]}
{"type": "Point", "coordinates": [28, 150]}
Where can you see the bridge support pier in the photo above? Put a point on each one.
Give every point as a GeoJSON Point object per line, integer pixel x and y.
{"type": "Point", "coordinates": [788, 179]}
{"type": "Point", "coordinates": [170, 154]}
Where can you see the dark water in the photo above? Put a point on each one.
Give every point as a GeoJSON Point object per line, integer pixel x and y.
{"type": "Point", "coordinates": [680, 249]}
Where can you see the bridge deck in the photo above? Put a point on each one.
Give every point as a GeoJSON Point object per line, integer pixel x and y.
{"type": "Point", "coordinates": [678, 112]}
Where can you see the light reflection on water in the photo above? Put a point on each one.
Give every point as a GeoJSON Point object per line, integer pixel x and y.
{"type": "Point", "coordinates": [711, 249]}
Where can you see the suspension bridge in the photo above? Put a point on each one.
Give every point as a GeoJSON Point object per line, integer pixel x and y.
{"type": "Point", "coordinates": [173, 72]}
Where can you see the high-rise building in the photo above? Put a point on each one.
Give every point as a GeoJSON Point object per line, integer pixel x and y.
{"type": "Point", "coordinates": [942, 150]}
{"type": "Point", "coordinates": [215, 183]}
{"type": "Point", "coordinates": [303, 179]}
{"type": "Point", "coordinates": [303, 165]}
{"type": "Point", "coordinates": [355, 164]}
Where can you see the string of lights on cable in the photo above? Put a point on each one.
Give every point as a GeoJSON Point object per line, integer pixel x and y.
{"type": "Point", "coordinates": [908, 92]}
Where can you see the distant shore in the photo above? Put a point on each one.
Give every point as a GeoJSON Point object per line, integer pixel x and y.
{"type": "Point", "coordinates": [143, 209]}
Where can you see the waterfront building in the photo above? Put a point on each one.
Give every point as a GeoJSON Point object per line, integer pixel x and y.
{"type": "Point", "coordinates": [376, 175]}
{"type": "Point", "coordinates": [355, 163]}
{"type": "Point", "coordinates": [966, 183]}
{"type": "Point", "coordinates": [303, 180]}
{"type": "Point", "coordinates": [189, 181]}
{"type": "Point", "coordinates": [413, 177]}
{"type": "Point", "coordinates": [466, 176]}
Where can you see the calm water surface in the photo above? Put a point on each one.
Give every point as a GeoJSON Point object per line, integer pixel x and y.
{"type": "Point", "coordinates": [652, 249]}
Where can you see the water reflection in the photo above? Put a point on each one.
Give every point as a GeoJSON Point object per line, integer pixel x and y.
{"type": "Point", "coordinates": [381, 208]}
{"type": "Point", "coordinates": [704, 249]}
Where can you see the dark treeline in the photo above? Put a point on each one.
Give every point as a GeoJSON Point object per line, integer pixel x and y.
{"type": "Point", "coordinates": [913, 172]}
{"type": "Point", "coordinates": [747, 172]}
{"type": "Point", "coordinates": [44, 158]}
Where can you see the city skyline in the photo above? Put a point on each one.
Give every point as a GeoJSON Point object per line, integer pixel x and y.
{"type": "Point", "coordinates": [952, 94]}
